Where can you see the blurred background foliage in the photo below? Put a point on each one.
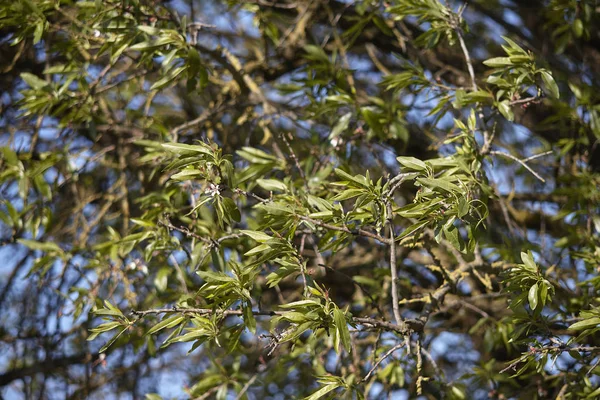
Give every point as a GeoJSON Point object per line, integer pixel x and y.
{"type": "Point", "coordinates": [313, 198]}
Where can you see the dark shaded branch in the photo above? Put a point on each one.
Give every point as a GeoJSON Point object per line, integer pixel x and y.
{"type": "Point", "coordinates": [50, 365]}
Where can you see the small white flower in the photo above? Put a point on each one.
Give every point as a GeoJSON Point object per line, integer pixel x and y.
{"type": "Point", "coordinates": [212, 190]}
{"type": "Point", "coordinates": [97, 33]}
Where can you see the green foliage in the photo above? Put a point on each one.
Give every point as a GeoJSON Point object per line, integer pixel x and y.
{"type": "Point", "coordinates": [514, 74]}
{"type": "Point", "coordinates": [330, 199]}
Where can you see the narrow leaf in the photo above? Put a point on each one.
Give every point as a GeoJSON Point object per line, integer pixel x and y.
{"type": "Point", "coordinates": [342, 327]}
{"type": "Point", "coordinates": [585, 324]}
{"type": "Point", "coordinates": [412, 163]}
{"type": "Point", "coordinates": [533, 296]}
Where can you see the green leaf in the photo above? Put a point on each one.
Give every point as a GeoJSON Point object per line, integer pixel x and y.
{"type": "Point", "coordinates": [141, 222]}
{"type": "Point", "coordinates": [103, 328]}
{"type": "Point", "coordinates": [533, 297]}
{"type": "Point", "coordinates": [257, 250]}
{"type": "Point", "coordinates": [341, 325]}
{"type": "Point", "coordinates": [543, 292]}
{"type": "Point", "coordinates": [352, 179]}
{"type": "Point", "coordinates": [348, 194]}
{"type": "Point", "coordinates": [166, 323]}
{"type": "Point", "coordinates": [380, 23]}
{"type": "Point", "coordinates": [578, 27]}
{"type": "Point", "coordinates": [520, 59]}
{"type": "Point", "coordinates": [412, 163]}
{"type": "Point", "coordinates": [103, 312]}
{"type": "Point", "coordinates": [594, 394]}
{"type": "Point", "coordinates": [272, 184]}
{"type": "Point", "coordinates": [321, 214]}
{"type": "Point", "coordinates": [111, 307]}
{"type": "Point", "coordinates": [550, 84]}
{"type": "Point", "coordinates": [161, 279]}
{"type": "Point", "coordinates": [413, 210]}
{"type": "Point", "coordinates": [181, 148]}
{"type": "Point", "coordinates": [210, 276]}
{"type": "Point", "coordinates": [412, 229]}
{"type": "Point", "coordinates": [33, 81]}
{"type": "Point", "coordinates": [372, 118]}
{"type": "Point", "coordinates": [186, 174]}
{"type": "Point", "coordinates": [112, 340]}
{"type": "Point", "coordinates": [168, 78]}
{"type": "Point", "coordinates": [505, 110]}
{"type": "Point", "coordinates": [527, 259]}
{"type": "Point", "coordinates": [42, 246]}
{"type": "Point", "coordinates": [452, 234]}
{"type": "Point", "coordinates": [256, 156]}
{"type": "Point", "coordinates": [150, 30]}
{"type": "Point", "coordinates": [316, 53]}
{"type": "Point", "coordinates": [323, 391]}
{"type": "Point", "coordinates": [260, 237]}
{"type": "Point", "coordinates": [249, 319]}
{"type": "Point", "coordinates": [276, 209]}
{"type": "Point", "coordinates": [11, 158]}
{"type": "Point", "coordinates": [39, 31]}
{"type": "Point", "coordinates": [231, 210]}
{"type": "Point", "coordinates": [498, 62]}
{"type": "Point", "coordinates": [153, 44]}
{"type": "Point", "coordinates": [300, 303]}
{"type": "Point", "coordinates": [463, 207]}
{"type": "Point", "coordinates": [195, 334]}
{"type": "Point", "coordinates": [340, 126]}
{"type": "Point", "coordinates": [206, 383]}
{"type": "Point", "coordinates": [585, 324]}
{"type": "Point", "coordinates": [480, 96]}
{"type": "Point", "coordinates": [441, 184]}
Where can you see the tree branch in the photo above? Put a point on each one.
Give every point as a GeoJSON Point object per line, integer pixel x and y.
{"type": "Point", "coordinates": [382, 358]}
{"type": "Point", "coordinates": [522, 162]}
{"type": "Point", "coordinates": [46, 366]}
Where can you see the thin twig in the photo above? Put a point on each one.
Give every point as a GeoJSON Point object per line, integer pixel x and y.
{"type": "Point", "coordinates": [360, 232]}
{"type": "Point", "coordinates": [249, 194]}
{"type": "Point", "coordinates": [246, 387]}
{"type": "Point", "coordinates": [183, 230]}
{"type": "Point", "coordinates": [429, 357]}
{"type": "Point", "coordinates": [319, 257]}
{"type": "Point", "coordinates": [201, 311]}
{"type": "Point", "coordinates": [538, 156]}
{"type": "Point", "coordinates": [302, 266]}
{"type": "Point", "coordinates": [593, 367]}
{"type": "Point", "coordinates": [274, 4]}
{"type": "Point", "coordinates": [398, 180]}
{"type": "Point", "coordinates": [526, 100]}
{"type": "Point", "coordinates": [207, 394]}
{"type": "Point", "coordinates": [393, 262]}
{"type": "Point", "coordinates": [179, 273]}
{"type": "Point", "coordinates": [406, 326]}
{"type": "Point", "coordinates": [381, 359]}
{"type": "Point", "coordinates": [522, 162]}
{"type": "Point", "coordinates": [419, 368]}
{"type": "Point", "coordinates": [462, 8]}
{"type": "Point", "coordinates": [296, 161]}
{"type": "Point", "coordinates": [487, 137]}
{"type": "Point", "coordinates": [467, 59]}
